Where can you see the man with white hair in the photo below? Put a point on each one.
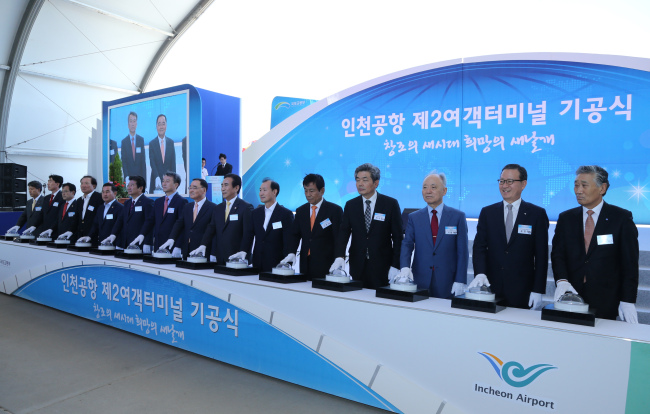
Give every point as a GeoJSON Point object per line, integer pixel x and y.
{"type": "Point", "coordinates": [438, 234]}
{"type": "Point", "coordinates": [596, 249]}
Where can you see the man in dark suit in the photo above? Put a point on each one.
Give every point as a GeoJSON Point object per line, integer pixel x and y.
{"type": "Point", "coordinates": [133, 159]}
{"type": "Point", "coordinates": [133, 222]}
{"type": "Point", "coordinates": [190, 226]}
{"type": "Point", "coordinates": [510, 251]}
{"type": "Point", "coordinates": [29, 218]}
{"type": "Point", "coordinates": [49, 212]}
{"type": "Point", "coordinates": [68, 220]}
{"type": "Point", "coordinates": [223, 167]}
{"type": "Point", "coordinates": [108, 213]}
{"type": "Point", "coordinates": [271, 227]}
{"type": "Point", "coordinates": [87, 205]}
{"type": "Point", "coordinates": [166, 210]}
{"type": "Point", "coordinates": [162, 155]}
{"type": "Point", "coordinates": [112, 151]}
{"type": "Point", "coordinates": [375, 223]}
{"type": "Point", "coordinates": [596, 250]}
{"type": "Point", "coordinates": [438, 234]}
{"type": "Point", "coordinates": [317, 224]}
{"type": "Point", "coordinates": [230, 228]}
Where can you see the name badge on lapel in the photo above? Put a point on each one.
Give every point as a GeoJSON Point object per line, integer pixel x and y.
{"type": "Point", "coordinates": [71, 214]}
{"type": "Point", "coordinates": [325, 223]}
{"type": "Point", "coordinates": [451, 230]}
{"type": "Point", "coordinates": [38, 208]}
{"type": "Point", "coordinates": [138, 150]}
{"type": "Point", "coordinates": [55, 204]}
{"type": "Point", "coordinates": [234, 217]}
{"type": "Point", "coordinates": [605, 239]}
{"type": "Point", "coordinates": [277, 225]}
{"type": "Point", "coordinates": [525, 229]}
{"type": "Point", "coordinates": [170, 209]}
{"type": "Point", "coordinates": [380, 216]}
{"type": "Point", "coordinates": [138, 208]}
{"type": "Point", "coordinates": [91, 208]}
{"type": "Point", "coordinates": [109, 217]}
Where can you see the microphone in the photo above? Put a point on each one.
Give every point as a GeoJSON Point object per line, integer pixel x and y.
{"type": "Point", "coordinates": [214, 168]}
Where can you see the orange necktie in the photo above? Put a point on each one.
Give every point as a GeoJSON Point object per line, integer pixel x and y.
{"type": "Point", "coordinates": [312, 220]}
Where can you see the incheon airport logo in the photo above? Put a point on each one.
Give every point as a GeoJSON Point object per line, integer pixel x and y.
{"type": "Point", "coordinates": [513, 373]}
{"type": "Point", "coordinates": [282, 105]}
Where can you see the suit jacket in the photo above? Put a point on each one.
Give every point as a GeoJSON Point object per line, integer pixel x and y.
{"type": "Point", "coordinates": [159, 166]}
{"type": "Point", "coordinates": [67, 221]}
{"type": "Point", "coordinates": [221, 170]}
{"type": "Point", "coordinates": [133, 166]}
{"type": "Point", "coordinates": [609, 272]}
{"type": "Point", "coordinates": [112, 151]}
{"type": "Point", "coordinates": [49, 213]}
{"type": "Point", "coordinates": [518, 267]}
{"type": "Point", "coordinates": [232, 235]}
{"type": "Point", "coordinates": [163, 224]}
{"type": "Point", "coordinates": [272, 244]}
{"type": "Point", "coordinates": [188, 232]}
{"type": "Point", "coordinates": [31, 217]}
{"type": "Point", "coordinates": [104, 223]}
{"type": "Point", "coordinates": [382, 242]}
{"type": "Point", "coordinates": [85, 222]}
{"type": "Point", "coordinates": [436, 268]}
{"type": "Point", "coordinates": [317, 248]}
{"type": "Point", "coordinates": [133, 224]}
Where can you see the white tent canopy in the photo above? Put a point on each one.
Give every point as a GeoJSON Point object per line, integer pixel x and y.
{"type": "Point", "coordinates": [59, 59]}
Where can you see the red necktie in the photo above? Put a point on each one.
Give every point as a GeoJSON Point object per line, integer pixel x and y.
{"type": "Point", "coordinates": [51, 198]}
{"type": "Point", "coordinates": [434, 226]}
{"type": "Point", "coordinates": [65, 207]}
{"type": "Point", "coordinates": [589, 229]}
{"type": "Point", "coordinates": [166, 204]}
{"type": "Point", "coordinates": [132, 206]}
{"type": "Point", "coordinates": [133, 146]}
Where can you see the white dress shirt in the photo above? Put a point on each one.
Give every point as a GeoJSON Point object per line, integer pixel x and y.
{"type": "Point", "coordinates": [267, 214]}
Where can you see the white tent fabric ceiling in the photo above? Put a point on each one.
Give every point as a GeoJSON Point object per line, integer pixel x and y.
{"type": "Point", "coordinates": [76, 54]}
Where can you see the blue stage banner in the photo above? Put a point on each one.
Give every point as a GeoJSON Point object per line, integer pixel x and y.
{"type": "Point", "coordinates": [283, 107]}
{"type": "Point", "coordinates": [469, 119]}
{"type": "Point", "coordinates": [176, 314]}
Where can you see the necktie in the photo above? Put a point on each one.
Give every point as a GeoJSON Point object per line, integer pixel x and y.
{"type": "Point", "coordinates": [434, 226]}
{"type": "Point", "coordinates": [65, 207]}
{"type": "Point", "coordinates": [227, 210]}
{"type": "Point", "coordinates": [51, 198]}
{"type": "Point", "coordinates": [312, 220]}
{"type": "Point", "coordinates": [83, 212]}
{"type": "Point", "coordinates": [165, 206]}
{"type": "Point", "coordinates": [367, 215]}
{"type": "Point", "coordinates": [196, 211]}
{"type": "Point", "coordinates": [33, 204]}
{"type": "Point", "coordinates": [589, 229]}
{"type": "Point", "coordinates": [133, 146]}
{"type": "Point", "coordinates": [132, 207]}
{"type": "Point", "coordinates": [509, 222]}
{"type": "Point", "coordinates": [162, 149]}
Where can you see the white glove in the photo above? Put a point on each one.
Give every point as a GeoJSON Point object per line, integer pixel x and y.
{"type": "Point", "coordinates": [29, 230]}
{"type": "Point", "coordinates": [109, 239]}
{"type": "Point", "coordinates": [238, 255]}
{"type": "Point", "coordinates": [167, 245]}
{"type": "Point", "coordinates": [562, 287]}
{"type": "Point", "coordinates": [405, 272]}
{"type": "Point", "coordinates": [46, 233]}
{"type": "Point", "coordinates": [291, 258]}
{"type": "Point", "coordinates": [65, 236]}
{"type": "Point", "coordinates": [392, 273]}
{"type": "Point", "coordinates": [535, 301]}
{"type": "Point", "coordinates": [176, 253]}
{"type": "Point", "coordinates": [479, 280]}
{"type": "Point", "coordinates": [627, 312]}
{"type": "Point", "coordinates": [200, 249]}
{"type": "Point", "coordinates": [138, 240]}
{"type": "Point", "coordinates": [146, 249]}
{"type": "Point", "coordinates": [213, 258]}
{"type": "Point", "coordinates": [457, 289]}
{"type": "Point", "coordinates": [14, 229]}
{"type": "Point", "coordinates": [84, 239]}
{"type": "Point", "coordinates": [339, 263]}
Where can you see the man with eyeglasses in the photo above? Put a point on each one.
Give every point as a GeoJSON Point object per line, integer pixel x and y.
{"type": "Point", "coordinates": [510, 252]}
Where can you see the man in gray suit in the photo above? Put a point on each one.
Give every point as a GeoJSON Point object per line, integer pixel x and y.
{"type": "Point", "coordinates": [28, 218]}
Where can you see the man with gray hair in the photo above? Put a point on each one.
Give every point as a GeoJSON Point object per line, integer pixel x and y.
{"type": "Point", "coordinates": [438, 234]}
{"type": "Point", "coordinates": [375, 223]}
{"type": "Point", "coordinates": [596, 250]}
